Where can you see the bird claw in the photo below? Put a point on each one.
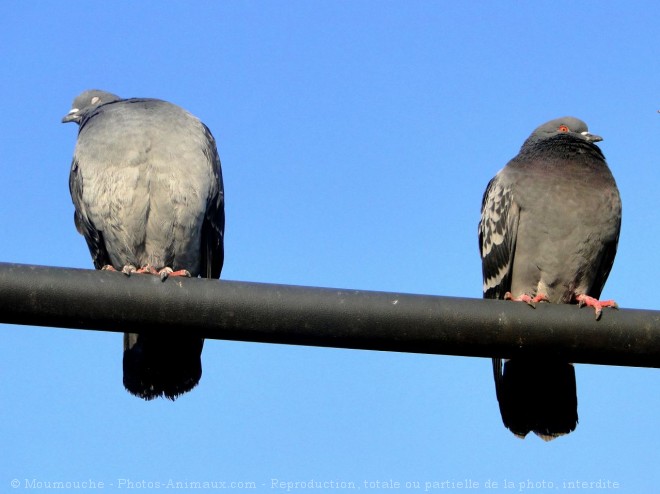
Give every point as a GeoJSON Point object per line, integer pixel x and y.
{"type": "Point", "coordinates": [531, 301]}
{"type": "Point", "coordinates": [167, 272]}
{"type": "Point", "coordinates": [129, 269]}
{"type": "Point", "coordinates": [164, 273]}
{"type": "Point", "coordinates": [148, 269]}
{"type": "Point", "coordinates": [597, 305]}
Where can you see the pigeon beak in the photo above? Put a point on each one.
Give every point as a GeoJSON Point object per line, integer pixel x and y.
{"type": "Point", "coordinates": [591, 137]}
{"type": "Point", "coordinates": [72, 116]}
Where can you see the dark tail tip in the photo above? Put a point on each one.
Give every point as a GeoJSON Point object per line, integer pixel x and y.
{"type": "Point", "coordinates": [537, 396]}
{"type": "Point", "coordinates": [161, 366]}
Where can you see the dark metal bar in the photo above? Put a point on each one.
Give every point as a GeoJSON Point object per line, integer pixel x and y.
{"type": "Point", "coordinates": [232, 310]}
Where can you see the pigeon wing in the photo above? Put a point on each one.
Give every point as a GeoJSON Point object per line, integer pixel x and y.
{"type": "Point", "coordinates": [93, 236]}
{"type": "Point", "coordinates": [498, 229]}
{"type": "Point", "coordinates": [606, 261]}
{"type": "Point", "coordinates": [213, 228]}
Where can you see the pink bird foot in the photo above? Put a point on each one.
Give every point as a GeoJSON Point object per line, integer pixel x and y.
{"type": "Point", "coordinates": [148, 269]}
{"type": "Point", "coordinates": [531, 301]}
{"type": "Point", "coordinates": [167, 272]}
{"type": "Point", "coordinates": [164, 273]}
{"type": "Point", "coordinates": [598, 305]}
{"type": "Point", "coordinates": [127, 270]}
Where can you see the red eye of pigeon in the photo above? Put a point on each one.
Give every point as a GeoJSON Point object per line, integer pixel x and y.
{"type": "Point", "coordinates": [562, 128]}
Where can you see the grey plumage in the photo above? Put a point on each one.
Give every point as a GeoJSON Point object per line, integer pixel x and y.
{"type": "Point", "coordinates": [147, 188]}
{"type": "Point", "coordinates": [549, 230]}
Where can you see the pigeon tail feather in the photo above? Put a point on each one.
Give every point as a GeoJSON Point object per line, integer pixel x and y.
{"type": "Point", "coordinates": [537, 396]}
{"type": "Point", "coordinates": [166, 366]}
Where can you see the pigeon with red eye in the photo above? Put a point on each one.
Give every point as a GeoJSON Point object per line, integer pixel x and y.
{"type": "Point", "coordinates": [549, 229]}
{"type": "Point", "coordinates": [147, 189]}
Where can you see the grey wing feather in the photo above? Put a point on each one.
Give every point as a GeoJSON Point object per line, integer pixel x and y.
{"type": "Point", "coordinates": [603, 262]}
{"type": "Point", "coordinates": [213, 228]}
{"type": "Point", "coordinates": [605, 266]}
{"type": "Point", "coordinates": [498, 229]}
{"type": "Point", "coordinates": [85, 227]}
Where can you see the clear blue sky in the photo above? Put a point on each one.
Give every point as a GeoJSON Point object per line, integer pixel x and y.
{"type": "Point", "coordinates": [356, 140]}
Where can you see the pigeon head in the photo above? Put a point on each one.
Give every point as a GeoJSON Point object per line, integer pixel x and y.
{"type": "Point", "coordinates": [87, 101]}
{"type": "Point", "coordinates": [563, 126]}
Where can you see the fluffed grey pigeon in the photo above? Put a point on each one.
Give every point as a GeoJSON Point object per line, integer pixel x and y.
{"type": "Point", "coordinates": [147, 188]}
{"type": "Point", "coordinates": [549, 229]}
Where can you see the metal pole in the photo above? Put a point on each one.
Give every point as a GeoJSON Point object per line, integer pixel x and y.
{"type": "Point", "coordinates": [328, 317]}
